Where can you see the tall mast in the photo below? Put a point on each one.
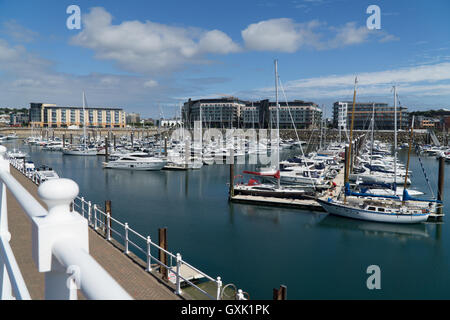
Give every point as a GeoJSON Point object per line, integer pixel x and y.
{"type": "Point", "coordinates": [373, 127]}
{"type": "Point", "coordinates": [278, 119]}
{"type": "Point", "coordinates": [407, 162]}
{"type": "Point", "coordinates": [395, 136]}
{"type": "Point", "coordinates": [347, 163]}
{"type": "Point", "coordinates": [84, 119]}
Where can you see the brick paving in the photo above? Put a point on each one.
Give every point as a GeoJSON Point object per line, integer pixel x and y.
{"type": "Point", "coordinates": [127, 272]}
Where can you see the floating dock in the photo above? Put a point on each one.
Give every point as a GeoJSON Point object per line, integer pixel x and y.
{"type": "Point", "coordinates": [303, 204]}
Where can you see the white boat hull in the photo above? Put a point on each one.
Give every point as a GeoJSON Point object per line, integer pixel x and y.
{"type": "Point", "coordinates": [360, 214]}
{"type": "Point", "coordinates": [80, 153]}
{"type": "Point", "coordinates": [136, 166]}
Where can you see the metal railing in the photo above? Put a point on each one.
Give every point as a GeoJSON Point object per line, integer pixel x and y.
{"type": "Point", "coordinates": [60, 243]}
{"type": "Point", "coordinates": [99, 220]}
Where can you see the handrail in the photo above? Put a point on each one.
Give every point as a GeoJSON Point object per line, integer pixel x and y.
{"type": "Point", "coordinates": [28, 203]}
{"type": "Point", "coordinates": [60, 242]}
{"type": "Point", "coordinates": [18, 283]}
{"type": "Point", "coordinates": [94, 217]}
{"type": "Point", "coordinates": [95, 282]}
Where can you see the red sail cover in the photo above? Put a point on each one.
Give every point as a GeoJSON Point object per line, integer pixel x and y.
{"type": "Point", "coordinates": [276, 175]}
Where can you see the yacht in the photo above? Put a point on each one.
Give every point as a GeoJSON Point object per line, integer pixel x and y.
{"type": "Point", "coordinates": [45, 173]}
{"type": "Point", "coordinates": [80, 151]}
{"type": "Point", "coordinates": [136, 161]}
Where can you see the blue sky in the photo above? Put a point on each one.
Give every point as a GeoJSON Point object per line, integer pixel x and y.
{"type": "Point", "coordinates": [149, 56]}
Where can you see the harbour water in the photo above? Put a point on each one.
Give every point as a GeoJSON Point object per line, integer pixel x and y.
{"type": "Point", "coordinates": [259, 248]}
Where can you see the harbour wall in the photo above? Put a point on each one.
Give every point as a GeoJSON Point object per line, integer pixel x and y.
{"type": "Point", "coordinates": [307, 135]}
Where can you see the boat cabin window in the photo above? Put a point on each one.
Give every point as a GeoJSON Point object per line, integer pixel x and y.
{"type": "Point", "coordinates": [381, 209]}
{"type": "Point", "coordinates": [128, 159]}
{"type": "Point", "coordinates": [371, 208]}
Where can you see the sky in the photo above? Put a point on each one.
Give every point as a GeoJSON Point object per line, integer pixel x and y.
{"type": "Point", "coordinates": [151, 56]}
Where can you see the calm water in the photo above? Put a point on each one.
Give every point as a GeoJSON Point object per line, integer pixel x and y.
{"type": "Point", "coordinates": [258, 248]}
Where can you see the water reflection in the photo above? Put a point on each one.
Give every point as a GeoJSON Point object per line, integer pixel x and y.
{"type": "Point", "coordinates": [376, 229]}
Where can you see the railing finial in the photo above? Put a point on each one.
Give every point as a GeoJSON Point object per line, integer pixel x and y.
{"type": "Point", "coordinates": [58, 194]}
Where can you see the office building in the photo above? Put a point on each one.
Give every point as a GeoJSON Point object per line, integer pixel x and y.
{"type": "Point", "coordinates": [53, 116]}
{"type": "Point", "coordinates": [383, 115]}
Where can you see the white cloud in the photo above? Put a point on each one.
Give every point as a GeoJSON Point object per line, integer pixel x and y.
{"type": "Point", "coordinates": [149, 47]}
{"type": "Point", "coordinates": [18, 32]}
{"type": "Point", "coordinates": [421, 83]}
{"type": "Point", "coordinates": [286, 35]}
{"type": "Point", "coordinates": [282, 34]}
{"type": "Point", "coordinates": [150, 84]}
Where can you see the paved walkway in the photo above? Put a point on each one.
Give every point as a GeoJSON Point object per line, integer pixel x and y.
{"type": "Point", "coordinates": [130, 275]}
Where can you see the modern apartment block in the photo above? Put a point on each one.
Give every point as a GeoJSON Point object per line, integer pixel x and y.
{"type": "Point", "coordinates": [383, 114]}
{"type": "Point", "coordinates": [216, 113]}
{"type": "Point", "coordinates": [298, 113]}
{"type": "Point", "coordinates": [53, 116]}
{"type": "Point", "coordinates": [231, 112]}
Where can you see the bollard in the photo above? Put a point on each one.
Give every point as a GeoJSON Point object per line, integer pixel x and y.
{"type": "Point", "coordinates": [280, 294]}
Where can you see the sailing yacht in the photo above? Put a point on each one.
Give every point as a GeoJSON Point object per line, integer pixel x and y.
{"type": "Point", "coordinates": [377, 208]}
{"type": "Point", "coordinates": [275, 189]}
{"type": "Point", "coordinates": [82, 150]}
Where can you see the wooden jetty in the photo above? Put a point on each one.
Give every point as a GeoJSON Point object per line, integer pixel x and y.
{"type": "Point", "coordinates": [308, 203]}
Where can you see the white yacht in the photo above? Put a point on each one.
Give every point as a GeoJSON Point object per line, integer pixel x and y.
{"type": "Point", "coordinates": [136, 161]}
{"type": "Point", "coordinates": [80, 151]}
{"type": "Point", "coordinates": [45, 173]}
{"type": "Point", "coordinates": [16, 154]}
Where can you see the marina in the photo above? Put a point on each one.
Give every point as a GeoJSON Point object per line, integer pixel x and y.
{"type": "Point", "coordinates": [196, 204]}
{"type": "Point", "coordinates": [226, 155]}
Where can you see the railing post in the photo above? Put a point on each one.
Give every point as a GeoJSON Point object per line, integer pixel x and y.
{"type": "Point", "coordinates": [82, 206]}
{"type": "Point", "coordinates": [61, 281]}
{"type": "Point", "coordinates": [178, 283]}
{"type": "Point", "coordinates": [126, 251]}
{"type": "Point", "coordinates": [90, 213]}
{"type": "Point", "coordinates": [6, 292]}
{"type": "Point", "coordinates": [108, 226]}
{"type": "Point", "coordinates": [219, 287]}
{"type": "Point", "coordinates": [95, 216]}
{"type": "Point", "coordinates": [149, 255]}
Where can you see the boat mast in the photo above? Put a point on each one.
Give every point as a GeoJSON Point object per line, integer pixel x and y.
{"type": "Point", "coordinates": [84, 120]}
{"type": "Point", "coordinates": [407, 162]}
{"type": "Point", "coordinates": [347, 163]}
{"type": "Point", "coordinates": [373, 125]}
{"type": "Point", "coordinates": [278, 120]}
{"type": "Point", "coordinates": [395, 137]}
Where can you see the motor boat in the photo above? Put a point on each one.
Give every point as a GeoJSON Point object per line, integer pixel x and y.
{"type": "Point", "coordinates": [44, 173]}
{"type": "Point", "coordinates": [80, 151]}
{"type": "Point", "coordinates": [137, 162]}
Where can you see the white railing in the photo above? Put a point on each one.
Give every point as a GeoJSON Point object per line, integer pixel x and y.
{"type": "Point", "coordinates": [100, 220]}
{"type": "Point", "coordinates": [59, 241]}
